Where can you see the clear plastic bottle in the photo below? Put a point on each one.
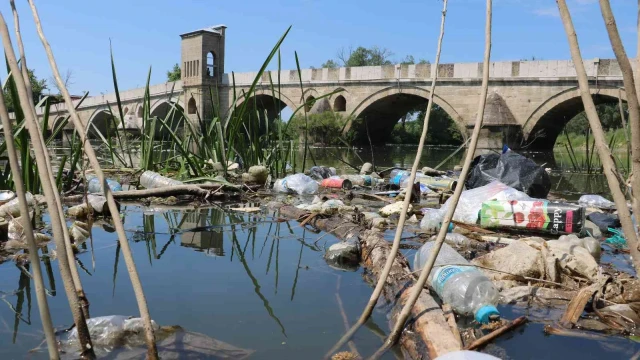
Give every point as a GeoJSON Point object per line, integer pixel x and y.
{"type": "Point", "coordinates": [152, 180]}
{"type": "Point", "coordinates": [465, 288]}
{"type": "Point", "coordinates": [398, 176]}
{"type": "Point", "coordinates": [95, 187]}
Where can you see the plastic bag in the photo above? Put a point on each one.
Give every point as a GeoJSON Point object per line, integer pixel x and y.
{"type": "Point", "coordinates": [512, 169]}
{"type": "Point", "coordinates": [596, 201]}
{"type": "Point", "coordinates": [604, 221]}
{"type": "Point", "coordinates": [110, 330]}
{"type": "Point", "coordinates": [471, 201]}
{"type": "Point", "coordinates": [296, 183]}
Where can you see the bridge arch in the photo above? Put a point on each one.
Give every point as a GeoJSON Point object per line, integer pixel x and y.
{"type": "Point", "coordinates": [547, 121]}
{"type": "Point", "coordinates": [266, 100]}
{"type": "Point", "coordinates": [393, 103]}
{"type": "Point", "coordinates": [101, 124]}
{"type": "Point", "coordinates": [174, 118]}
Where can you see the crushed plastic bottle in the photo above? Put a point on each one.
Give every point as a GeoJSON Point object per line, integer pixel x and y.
{"type": "Point", "coordinates": [13, 208]}
{"type": "Point", "coordinates": [465, 288]}
{"type": "Point", "coordinates": [589, 243]}
{"type": "Point", "coordinates": [95, 187]}
{"type": "Point", "coordinates": [152, 180]}
{"type": "Point", "coordinates": [296, 183]}
{"type": "Point", "coordinates": [596, 201]}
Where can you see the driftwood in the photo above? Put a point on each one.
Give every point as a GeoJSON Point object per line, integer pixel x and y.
{"type": "Point", "coordinates": [577, 304]}
{"type": "Point", "coordinates": [494, 334]}
{"type": "Point", "coordinates": [428, 320]}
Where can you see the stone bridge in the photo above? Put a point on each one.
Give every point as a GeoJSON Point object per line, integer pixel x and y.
{"type": "Point", "coordinates": [529, 102]}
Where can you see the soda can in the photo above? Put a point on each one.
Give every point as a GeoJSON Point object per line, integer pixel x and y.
{"type": "Point", "coordinates": [336, 183]}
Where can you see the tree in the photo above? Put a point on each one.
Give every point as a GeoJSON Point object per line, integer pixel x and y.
{"type": "Point", "coordinates": [329, 64]}
{"type": "Point", "coordinates": [362, 56]}
{"type": "Point", "coordinates": [38, 86]}
{"type": "Point", "coordinates": [174, 74]}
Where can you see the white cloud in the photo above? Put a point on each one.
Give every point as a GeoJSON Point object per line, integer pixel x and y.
{"type": "Point", "coordinates": [548, 11]}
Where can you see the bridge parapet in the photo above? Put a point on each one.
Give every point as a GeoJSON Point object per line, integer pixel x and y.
{"type": "Point", "coordinates": [606, 69]}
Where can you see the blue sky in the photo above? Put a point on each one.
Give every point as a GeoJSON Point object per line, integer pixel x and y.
{"type": "Point", "coordinates": [145, 33]}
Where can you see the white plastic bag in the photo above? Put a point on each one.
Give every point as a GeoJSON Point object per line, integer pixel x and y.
{"type": "Point", "coordinates": [110, 330]}
{"type": "Point", "coordinates": [471, 201]}
{"type": "Point", "coordinates": [296, 183]}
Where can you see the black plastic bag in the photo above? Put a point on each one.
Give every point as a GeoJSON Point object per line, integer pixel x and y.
{"type": "Point", "coordinates": [321, 172]}
{"type": "Point", "coordinates": [512, 169]}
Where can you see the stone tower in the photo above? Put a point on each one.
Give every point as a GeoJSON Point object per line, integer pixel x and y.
{"type": "Point", "coordinates": [202, 70]}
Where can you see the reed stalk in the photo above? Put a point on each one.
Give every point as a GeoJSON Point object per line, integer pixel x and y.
{"type": "Point", "coordinates": [632, 99]}
{"type": "Point", "coordinates": [606, 159]}
{"type": "Point", "coordinates": [49, 193]}
{"type": "Point", "coordinates": [405, 205]}
{"type": "Point", "coordinates": [77, 283]}
{"type": "Point", "coordinates": [34, 259]}
{"type": "Point", "coordinates": [152, 352]}
{"type": "Point", "coordinates": [424, 274]}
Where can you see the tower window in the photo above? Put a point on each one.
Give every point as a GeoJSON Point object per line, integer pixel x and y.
{"type": "Point", "coordinates": [211, 65]}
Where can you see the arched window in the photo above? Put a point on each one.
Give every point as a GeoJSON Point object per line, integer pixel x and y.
{"type": "Point", "coordinates": [211, 65]}
{"type": "Point", "coordinates": [140, 111]}
{"type": "Point", "coordinates": [309, 103]}
{"type": "Point", "coordinates": [191, 106]}
{"type": "Point", "coordinates": [340, 104]}
{"type": "Point", "coordinates": [126, 110]}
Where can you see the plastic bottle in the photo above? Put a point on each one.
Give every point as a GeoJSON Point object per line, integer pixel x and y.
{"type": "Point", "coordinates": [296, 183]}
{"type": "Point", "coordinates": [152, 180]}
{"type": "Point", "coordinates": [398, 176]}
{"type": "Point", "coordinates": [95, 187]}
{"type": "Point", "coordinates": [465, 288]}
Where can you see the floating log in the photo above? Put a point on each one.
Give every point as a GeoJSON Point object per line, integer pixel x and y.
{"type": "Point", "coordinates": [428, 319]}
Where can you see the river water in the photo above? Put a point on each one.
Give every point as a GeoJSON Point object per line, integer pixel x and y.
{"type": "Point", "coordinates": [256, 283]}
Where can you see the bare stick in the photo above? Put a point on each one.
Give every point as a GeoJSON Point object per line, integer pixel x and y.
{"type": "Point", "coordinates": [152, 352]}
{"type": "Point", "coordinates": [406, 311]}
{"type": "Point", "coordinates": [43, 305]}
{"type": "Point", "coordinates": [608, 163]}
{"type": "Point", "coordinates": [405, 205]}
{"type": "Point", "coordinates": [49, 193]}
{"type": "Point", "coordinates": [632, 106]}
{"type": "Point", "coordinates": [494, 334]}
{"type": "Point", "coordinates": [75, 275]}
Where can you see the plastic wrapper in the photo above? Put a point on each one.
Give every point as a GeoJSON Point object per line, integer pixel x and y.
{"type": "Point", "coordinates": [152, 180]}
{"type": "Point", "coordinates": [596, 201]}
{"type": "Point", "coordinates": [296, 183]}
{"type": "Point", "coordinates": [512, 169]}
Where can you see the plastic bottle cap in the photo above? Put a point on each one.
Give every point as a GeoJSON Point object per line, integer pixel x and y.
{"type": "Point", "coordinates": [484, 313]}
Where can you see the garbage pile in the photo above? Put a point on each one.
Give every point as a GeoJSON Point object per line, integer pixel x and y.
{"type": "Point", "coordinates": [507, 241]}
